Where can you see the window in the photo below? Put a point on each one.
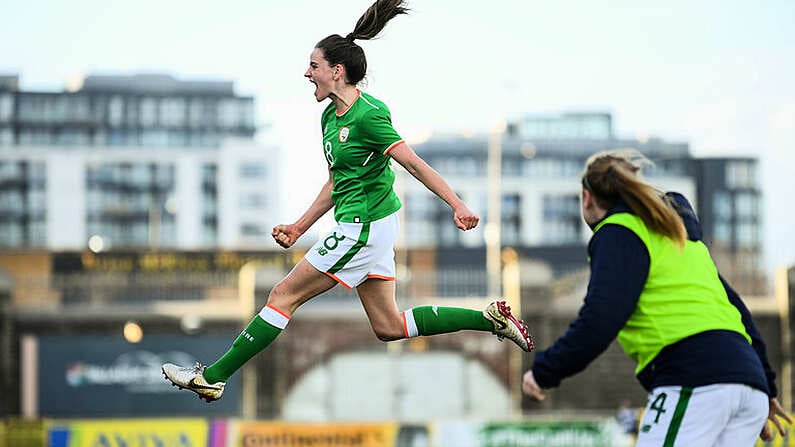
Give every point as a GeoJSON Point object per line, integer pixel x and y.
{"type": "Point", "coordinates": [10, 170]}
{"type": "Point", "coordinates": [11, 201]}
{"type": "Point", "coordinates": [38, 174]}
{"type": "Point", "coordinates": [148, 112]}
{"type": "Point", "coordinates": [78, 108]}
{"type": "Point", "coordinates": [37, 233]}
{"type": "Point", "coordinates": [172, 112]}
{"type": "Point", "coordinates": [100, 138]}
{"type": "Point", "coordinates": [448, 235]}
{"type": "Point", "coordinates": [93, 201]}
{"type": "Point", "coordinates": [209, 173]}
{"type": "Point", "coordinates": [228, 113]}
{"type": "Point", "coordinates": [421, 210]}
{"type": "Point", "coordinates": [509, 234]}
{"type": "Point", "coordinates": [747, 235]}
{"type": "Point", "coordinates": [164, 175]}
{"type": "Point", "coordinates": [117, 138]}
{"type": "Point", "coordinates": [252, 201]}
{"type": "Point", "coordinates": [195, 109]}
{"type": "Point", "coordinates": [466, 166]}
{"type": "Point", "coordinates": [6, 107]}
{"type": "Point", "coordinates": [549, 167]}
{"type": "Point", "coordinates": [139, 175]}
{"type": "Point", "coordinates": [132, 112]}
{"type": "Point", "coordinates": [177, 138]}
{"type": "Point", "coordinates": [6, 137]}
{"type": "Point", "coordinates": [571, 168]}
{"type": "Point", "coordinates": [35, 137]}
{"type": "Point", "coordinates": [115, 111]}
{"type": "Point", "coordinates": [253, 170]}
{"type": "Point", "coordinates": [247, 113]}
{"type": "Point", "coordinates": [70, 137]}
{"type": "Point", "coordinates": [421, 206]}
{"type": "Point", "coordinates": [154, 138]}
{"type": "Point", "coordinates": [253, 230]}
{"type": "Point", "coordinates": [746, 205]}
{"type": "Point", "coordinates": [210, 139]}
{"type": "Point", "coordinates": [511, 167]}
{"type": "Point", "coordinates": [37, 200]}
{"type": "Point", "coordinates": [210, 232]}
{"type": "Point", "coordinates": [56, 108]}
{"type": "Point", "coordinates": [510, 205]}
{"type": "Point", "coordinates": [723, 233]}
{"type": "Point", "coordinates": [31, 108]}
{"type": "Point", "coordinates": [445, 166]}
{"type": "Point", "coordinates": [561, 218]}
{"type": "Point", "coordinates": [596, 126]}
{"type": "Point", "coordinates": [722, 205]}
{"type": "Point", "coordinates": [120, 199]}
{"type": "Point", "coordinates": [421, 233]}
{"type": "Point", "coordinates": [740, 174]}
{"type": "Point", "coordinates": [11, 234]}
{"type": "Point", "coordinates": [511, 219]}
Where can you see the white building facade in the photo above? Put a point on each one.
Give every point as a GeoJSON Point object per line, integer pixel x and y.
{"type": "Point", "coordinates": [132, 162]}
{"type": "Point", "coordinates": [139, 197]}
{"type": "Point", "coordinates": [542, 160]}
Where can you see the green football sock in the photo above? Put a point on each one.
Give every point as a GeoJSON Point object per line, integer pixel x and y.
{"type": "Point", "coordinates": [432, 320]}
{"type": "Point", "coordinates": [256, 337]}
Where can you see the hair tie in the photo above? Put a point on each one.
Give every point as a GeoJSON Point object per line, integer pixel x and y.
{"type": "Point", "coordinates": [350, 37]}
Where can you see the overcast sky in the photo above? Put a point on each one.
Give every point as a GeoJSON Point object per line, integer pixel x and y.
{"type": "Point", "coordinates": [715, 73]}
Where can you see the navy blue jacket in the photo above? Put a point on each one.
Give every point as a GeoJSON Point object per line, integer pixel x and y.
{"type": "Point", "coordinates": [619, 267]}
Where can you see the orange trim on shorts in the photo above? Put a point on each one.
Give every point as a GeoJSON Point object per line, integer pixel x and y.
{"type": "Point", "coordinates": [338, 280]}
{"type": "Point", "coordinates": [405, 325]}
{"type": "Point", "coordinates": [392, 146]}
{"type": "Point", "coordinates": [385, 278]}
{"type": "Point", "coordinates": [281, 312]}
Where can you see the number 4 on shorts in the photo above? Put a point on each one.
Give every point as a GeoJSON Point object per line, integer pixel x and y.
{"type": "Point", "coordinates": [657, 405]}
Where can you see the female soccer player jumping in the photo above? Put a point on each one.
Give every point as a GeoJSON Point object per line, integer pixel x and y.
{"type": "Point", "coordinates": [358, 143]}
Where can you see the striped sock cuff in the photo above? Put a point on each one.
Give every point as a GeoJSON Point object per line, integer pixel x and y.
{"type": "Point", "coordinates": [273, 316]}
{"type": "Point", "coordinates": [409, 325]}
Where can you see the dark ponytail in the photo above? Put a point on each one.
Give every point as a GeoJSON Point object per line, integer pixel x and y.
{"type": "Point", "coordinates": [344, 51]}
{"type": "Point", "coordinates": [374, 19]}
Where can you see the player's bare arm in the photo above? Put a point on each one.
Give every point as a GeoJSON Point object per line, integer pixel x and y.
{"type": "Point", "coordinates": [463, 217]}
{"type": "Point", "coordinates": [287, 234]}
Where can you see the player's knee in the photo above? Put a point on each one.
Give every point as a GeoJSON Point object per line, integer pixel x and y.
{"type": "Point", "coordinates": [388, 334]}
{"type": "Point", "coordinates": [280, 298]}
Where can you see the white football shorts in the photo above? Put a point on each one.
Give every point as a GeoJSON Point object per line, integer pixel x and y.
{"type": "Point", "coordinates": [721, 415]}
{"type": "Point", "coordinates": [352, 253]}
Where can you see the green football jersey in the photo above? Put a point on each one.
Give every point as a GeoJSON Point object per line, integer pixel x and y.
{"type": "Point", "coordinates": [355, 144]}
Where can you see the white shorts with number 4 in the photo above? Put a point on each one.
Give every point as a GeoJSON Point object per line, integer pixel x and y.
{"type": "Point", "coordinates": [721, 415]}
{"type": "Point", "coordinates": [352, 253]}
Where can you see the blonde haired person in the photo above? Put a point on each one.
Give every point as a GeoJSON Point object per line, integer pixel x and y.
{"type": "Point", "coordinates": [654, 287]}
{"type": "Point", "coordinates": [359, 143]}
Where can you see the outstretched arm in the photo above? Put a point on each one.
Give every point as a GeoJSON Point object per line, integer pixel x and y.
{"type": "Point", "coordinates": [756, 338]}
{"type": "Point", "coordinates": [463, 217]}
{"type": "Point", "coordinates": [286, 234]}
{"type": "Point", "coordinates": [619, 268]}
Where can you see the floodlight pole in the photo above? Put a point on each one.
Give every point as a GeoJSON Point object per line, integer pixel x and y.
{"type": "Point", "coordinates": [494, 217]}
